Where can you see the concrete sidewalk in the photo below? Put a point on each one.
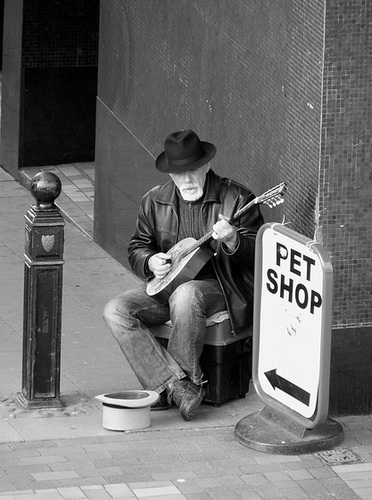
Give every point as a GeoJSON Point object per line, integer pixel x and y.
{"type": "Point", "coordinates": [66, 453]}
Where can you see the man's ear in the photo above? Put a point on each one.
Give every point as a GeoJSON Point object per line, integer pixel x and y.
{"type": "Point", "coordinates": [208, 167]}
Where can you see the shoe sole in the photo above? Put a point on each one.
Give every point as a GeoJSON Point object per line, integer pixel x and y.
{"type": "Point", "coordinates": [160, 408]}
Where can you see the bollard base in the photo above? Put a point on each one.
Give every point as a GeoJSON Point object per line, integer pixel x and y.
{"type": "Point", "coordinates": [269, 432]}
{"type": "Point", "coordinates": [39, 403]}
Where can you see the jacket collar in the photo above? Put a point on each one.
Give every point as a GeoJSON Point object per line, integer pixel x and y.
{"type": "Point", "coordinates": [168, 192]}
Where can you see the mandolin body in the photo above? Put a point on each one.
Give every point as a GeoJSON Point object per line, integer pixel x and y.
{"type": "Point", "coordinates": [183, 268]}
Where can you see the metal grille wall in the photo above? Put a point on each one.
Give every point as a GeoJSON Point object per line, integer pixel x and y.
{"type": "Point", "coordinates": [60, 34]}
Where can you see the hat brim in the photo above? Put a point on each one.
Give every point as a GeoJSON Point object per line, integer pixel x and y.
{"type": "Point", "coordinates": [162, 164]}
{"type": "Point", "coordinates": [129, 399]}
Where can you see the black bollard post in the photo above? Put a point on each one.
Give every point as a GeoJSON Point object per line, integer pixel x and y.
{"type": "Point", "coordinates": [42, 296]}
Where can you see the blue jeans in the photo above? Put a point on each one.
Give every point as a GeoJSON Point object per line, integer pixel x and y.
{"type": "Point", "coordinates": [130, 314]}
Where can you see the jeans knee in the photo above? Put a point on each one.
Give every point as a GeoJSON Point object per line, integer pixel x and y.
{"type": "Point", "coordinates": [115, 308]}
{"type": "Point", "coordinates": [108, 311]}
{"type": "Point", "coordinates": [118, 311]}
{"type": "Point", "coordinates": [182, 294]}
{"type": "Point", "coordinates": [185, 296]}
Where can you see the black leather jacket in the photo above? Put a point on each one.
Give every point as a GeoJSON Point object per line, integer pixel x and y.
{"type": "Point", "coordinates": [157, 229]}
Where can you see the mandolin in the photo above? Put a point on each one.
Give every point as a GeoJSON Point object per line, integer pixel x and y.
{"type": "Point", "coordinates": [189, 255]}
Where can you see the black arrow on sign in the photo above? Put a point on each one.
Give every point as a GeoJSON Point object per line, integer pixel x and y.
{"type": "Point", "coordinates": [288, 387]}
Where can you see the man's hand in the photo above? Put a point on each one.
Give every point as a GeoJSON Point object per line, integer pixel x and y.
{"type": "Point", "coordinates": [225, 232]}
{"type": "Point", "coordinates": [159, 264]}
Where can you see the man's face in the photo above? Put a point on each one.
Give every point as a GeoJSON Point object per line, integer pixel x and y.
{"type": "Point", "coordinates": [191, 184]}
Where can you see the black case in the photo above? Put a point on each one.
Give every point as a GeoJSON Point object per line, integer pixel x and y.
{"type": "Point", "coordinates": [226, 360]}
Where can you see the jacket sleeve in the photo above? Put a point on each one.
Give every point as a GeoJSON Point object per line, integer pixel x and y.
{"type": "Point", "coordinates": [143, 242]}
{"type": "Point", "coordinates": [247, 228]}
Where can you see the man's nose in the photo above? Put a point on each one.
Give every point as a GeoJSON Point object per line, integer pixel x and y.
{"type": "Point", "coordinates": [188, 177]}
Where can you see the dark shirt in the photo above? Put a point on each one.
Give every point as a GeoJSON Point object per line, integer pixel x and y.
{"type": "Point", "coordinates": [190, 225]}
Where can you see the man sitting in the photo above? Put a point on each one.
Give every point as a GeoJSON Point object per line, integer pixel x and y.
{"type": "Point", "coordinates": [193, 202]}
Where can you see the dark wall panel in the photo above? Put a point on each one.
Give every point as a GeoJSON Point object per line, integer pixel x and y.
{"type": "Point", "coordinates": [59, 115]}
{"type": "Point", "coordinates": [245, 75]}
{"type": "Point", "coordinates": [351, 374]}
{"type": "Point", "coordinates": [59, 61]}
{"type": "Point", "coordinates": [49, 83]}
{"type": "Point", "coordinates": [11, 85]}
{"type": "Point", "coordinates": [124, 172]}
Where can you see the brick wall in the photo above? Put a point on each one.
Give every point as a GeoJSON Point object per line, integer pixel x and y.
{"type": "Point", "coordinates": [345, 184]}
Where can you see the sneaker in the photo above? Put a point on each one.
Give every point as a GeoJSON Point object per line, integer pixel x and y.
{"type": "Point", "coordinates": [187, 396]}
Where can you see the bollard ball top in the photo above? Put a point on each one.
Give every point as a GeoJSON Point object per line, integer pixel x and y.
{"type": "Point", "coordinates": [45, 187]}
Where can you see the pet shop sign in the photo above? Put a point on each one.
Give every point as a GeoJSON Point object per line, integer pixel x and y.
{"type": "Point", "coordinates": [292, 323]}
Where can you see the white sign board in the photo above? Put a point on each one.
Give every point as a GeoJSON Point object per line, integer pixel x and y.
{"type": "Point", "coordinates": [292, 312]}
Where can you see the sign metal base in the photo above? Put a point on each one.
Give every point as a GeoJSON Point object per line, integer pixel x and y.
{"type": "Point", "coordinates": [271, 432]}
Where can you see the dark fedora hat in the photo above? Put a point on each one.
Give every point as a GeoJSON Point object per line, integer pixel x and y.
{"type": "Point", "coordinates": [184, 151]}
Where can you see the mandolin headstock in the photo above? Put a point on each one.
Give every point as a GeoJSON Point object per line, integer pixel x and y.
{"type": "Point", "coordinates": [274, 196]}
